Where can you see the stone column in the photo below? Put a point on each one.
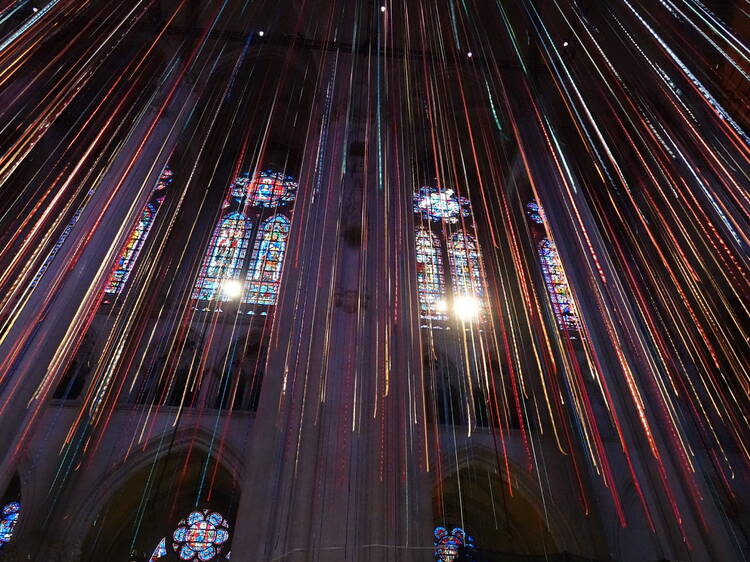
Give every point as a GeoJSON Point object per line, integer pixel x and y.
{"type": "Point", "coordinates": [332, 454]}
{"type": "Point", "coordinates": [64, 295]}
{"type": "Point", "coordinates": [666, 539]}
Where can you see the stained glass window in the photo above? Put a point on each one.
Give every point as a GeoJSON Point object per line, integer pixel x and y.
{"type": "Point", "coordinates": [535, 212]}
{"type": "Point", "coordinates": [466, 275]}
{"type": "Point", "coordinates": [449, 545]}
{"type": "Point", "coordinates": [440, 204]}
{"type": "Point", "coordinates": [465, 263]}
{"type": "Point", "coordinates": [430, 279]}
{"type": "Point", "coordinates": [200, 536]}
{"type": "Point", "coordinates": [224, 258]}
{"type": "Point", "coordinates": [8, 521]}
{"type": "Point", "coordinates": [240, 185]}
{"type": "Point", "coordinates": [129, 255]}
{"type": "Point", "coordinates": [138, 235]}
{"type": "Point", "coordinates": [160, 551]}
{"type": "Point", "coordinates": [557, 286]}
{"type": "Point", "coordinates": [264, 274]}
{"type": "Point", "coordinates": [266, 189]}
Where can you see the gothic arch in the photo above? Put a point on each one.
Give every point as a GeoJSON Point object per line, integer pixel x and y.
{"type": "Point", "coordinates": [500, 522]}
{"type": "Point", "coordinates": [146, 496]}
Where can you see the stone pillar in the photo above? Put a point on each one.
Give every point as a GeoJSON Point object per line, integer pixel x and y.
{"type": "Point", "coordinates": [75, 291]}
{"type": "Point", "coordinates": [706, 531]}
{"type": "Point", "coordinates": [335, 444]}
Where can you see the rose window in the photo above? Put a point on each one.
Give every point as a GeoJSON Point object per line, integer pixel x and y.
{"type": "Point", "coordinates": [265, 189]}
{"type": "Point", "coordinates": [449, 545]}
{"type": "Point", "coordinates": [200, 536]}
{"type": "Point", "coordinates": [440, 204]}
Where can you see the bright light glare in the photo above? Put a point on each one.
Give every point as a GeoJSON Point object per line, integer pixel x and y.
{"type": "Point", "coordinates": [232, 289]}
{"type": "Point", "coordinates": [441, 306]}
{"type": "Point", "coordinates": [467, 308]}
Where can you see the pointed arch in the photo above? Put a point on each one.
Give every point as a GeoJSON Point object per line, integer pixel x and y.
{"type": "Point", "coordinates": [557, 286]}
{"type": "Point", "coordinates": [466, 268]}
{"type": "Point", "coordinates": [267, 261]}
{"type": "Point", "coordinates": [430, 276]}
{"type": "Point", "coordinates": [105, 524]}
{"type": "Point", "coordinates": [225, 256]}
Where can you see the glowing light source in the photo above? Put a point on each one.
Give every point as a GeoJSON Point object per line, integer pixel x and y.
{"type": "Point", "coordinates": [469, 54]}
{"type": "Point", "coordinates": [225, 256]}
{"type": "Point", "coordinates": [382, 8]}
{"type": "Point", "coordinates": [467, 308]}
{"type": "Point", "coordinates": [261, 33]}
{"type": "Point", "coordinates": [232, 288]}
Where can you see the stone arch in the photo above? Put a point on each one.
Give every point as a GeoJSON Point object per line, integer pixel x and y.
{"type": "Point", "coordinates": [475, 495]}
{"type": "Point", "coordinates": [142, 500]}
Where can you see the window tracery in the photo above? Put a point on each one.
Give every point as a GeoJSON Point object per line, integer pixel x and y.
{"type": "Point", "coordinates": [160, 551]}
{"type": "Point", "coordinates": [557, 286]}
{"type": "Point", "coordinates": [466, 270]}
{"type": "Point", "coordinates": [200, 536]}
{"type": "Point", "coordinates": [449, 545]}
{"type": "Point", "coordinates": [266, 189]}
{"type": "Point", "coordinates": [443, 239]}
{"type": "Point", "coordinates": [226, 272]}
{"type": "Point", "coordinates": [438, 204]}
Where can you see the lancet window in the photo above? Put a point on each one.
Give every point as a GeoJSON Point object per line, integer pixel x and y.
{"type": "Point", "coordinates": [137, 238]}
{"type": "Point", "coordinates": [446, 240]}
{"type": "Point", "coordinates": [257, 218]}
{"type": "Point", "coordinates": [555, 280]}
